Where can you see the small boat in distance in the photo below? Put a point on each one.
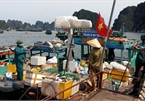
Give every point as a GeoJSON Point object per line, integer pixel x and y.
{"type": "Point", "coordinates": [48, 31]}
{"type": "Point", "coordinates": [1, 30]}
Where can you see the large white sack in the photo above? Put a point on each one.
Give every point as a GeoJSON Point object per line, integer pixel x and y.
{"type": "Point", "coordinates": [108, 65]}
{"type": "Point", "coordinates": [125, 63]}
{"type": "Point", "coordinates": [72, 22]}
{"type": "Point", "coordinates": [50, 87]}
{"type": "Point", "coordinates": [80, 23]}
{"type": "Point", "coordinates": [118, 66]}
{"type": "Point", "coordinates": [71, 18]}
{"type": "Point", "coordinates": [52, 60]}
{"type": "Point", "coordinates": [62, 22]}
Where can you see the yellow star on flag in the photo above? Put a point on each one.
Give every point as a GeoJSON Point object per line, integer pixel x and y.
{"type": "Point", "coordinates": [100, 26]}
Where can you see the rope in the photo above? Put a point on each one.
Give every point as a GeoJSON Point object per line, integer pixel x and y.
{"type": "Point", "coordinates": [126, 68]}
{"type": "Point", "coordinates": [47, 86]}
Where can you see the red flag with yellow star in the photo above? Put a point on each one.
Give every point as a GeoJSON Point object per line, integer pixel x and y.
{"type": "Point", "coordinates": [101, 27]}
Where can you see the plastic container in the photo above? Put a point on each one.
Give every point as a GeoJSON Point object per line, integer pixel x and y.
{"type": "Point", "coordinates": [38, 60]}
{"type": "Point", "coordinates": [117, 75]}
{"type": "Point", "coordinates": [75, 89]}
{"type": "Point", "coordinates": [11, 68]}
{"type": "Point", "coordinates": [63, 86]}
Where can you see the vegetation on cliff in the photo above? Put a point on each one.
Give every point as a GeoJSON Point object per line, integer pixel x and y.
{"type": "Point", "coordinates": [18, 25]}
{"type": "Point", "coordinates": [132, 17]}
{"type": "Point", "coordinates": [125, 17]}
{"type": "Point", "coordinates": [139, 18]}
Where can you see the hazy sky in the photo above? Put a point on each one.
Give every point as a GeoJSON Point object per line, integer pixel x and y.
{"type": "Point", "coordinates": [46, 10]}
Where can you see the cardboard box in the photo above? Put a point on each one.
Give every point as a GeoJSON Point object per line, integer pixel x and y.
{"type": "Point", "coordinates": [38, 60]}
{"type": "Point", "coordinates": [33, 78]}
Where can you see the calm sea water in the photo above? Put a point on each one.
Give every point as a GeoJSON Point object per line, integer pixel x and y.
{"type": "Point", "coordinates": [10, 38]}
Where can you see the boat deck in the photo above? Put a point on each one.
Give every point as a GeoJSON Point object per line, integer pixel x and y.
{"type": "Point", "coordinates": [105, 95]}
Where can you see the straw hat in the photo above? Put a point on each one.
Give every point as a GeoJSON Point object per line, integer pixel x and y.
{"type": "Point", "coordinates": [94, 43]}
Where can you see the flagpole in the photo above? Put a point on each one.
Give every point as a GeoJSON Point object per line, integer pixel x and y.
{"type": "Point", "coordinates": [107, 34]}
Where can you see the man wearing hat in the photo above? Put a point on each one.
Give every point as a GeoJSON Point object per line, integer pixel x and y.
{"type": "Point", "coordinates": [139, 72]}
{"type": "Point", "coordinates": [140, 60]}
{"type": "Point", "coordinates": [19, 59]}
{"type": "Point", "coordinates": [94, 59]}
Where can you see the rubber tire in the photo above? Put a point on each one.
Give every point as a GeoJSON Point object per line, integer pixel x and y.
{"type": "Point", "coordinates": [18, 85]}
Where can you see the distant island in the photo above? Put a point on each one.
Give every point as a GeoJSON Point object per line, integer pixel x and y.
{"type": "Point", "coordinates": [133, 18]}
{"type": "Point", "coordinates": [18, 25]}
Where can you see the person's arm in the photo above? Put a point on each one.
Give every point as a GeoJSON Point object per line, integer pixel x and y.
{"type": "Point", "coordinates": [19, 51]}
{"type": "Point", "coordinates": [11, 50]}
{"type": "Point", "coordinates": [140, 59]}
{"type": "Point", "coordinates": [90, 59]}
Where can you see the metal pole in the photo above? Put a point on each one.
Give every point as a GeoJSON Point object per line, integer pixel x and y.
{"type": "Point", "coordinates": [67, 61]}
{"type": "Point", "coordinates": [107, 33]}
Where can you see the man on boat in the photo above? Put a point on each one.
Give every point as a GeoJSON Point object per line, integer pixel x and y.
{"type": "Point", "coordinates": [111, 54]}
{"type": "Point", "coordinates": [19, 58]}
{"type": "Point", "coordinates": [140, 60]}
{"type": "Point", "coordinates": [139, 72]}
{"type": "Point", "coordinates": [94, 60]}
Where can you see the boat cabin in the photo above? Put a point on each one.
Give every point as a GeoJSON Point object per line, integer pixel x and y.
{"type": "Point", "coordinates": [48, 31]}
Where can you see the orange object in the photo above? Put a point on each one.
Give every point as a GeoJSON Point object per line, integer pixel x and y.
{"type": "Point", "coordinates": [11, 68]}
{"type": "Point", "coordinates": [117, 75]}
{"type": "Point", "coordinates": [7, 53]}
{"type": "Point", "coordinates": [118, 39]}
{"type": "Point", "coordinates": [3, 63]}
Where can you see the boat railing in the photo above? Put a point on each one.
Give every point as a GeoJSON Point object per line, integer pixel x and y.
{"type": "Point", "coordinates": [91, 94]}
{"type": "Point", "coordinates": [99, 83]}
{"type": "Point", "coordinates": [7, 54]}
{"type": "Point", "coordinates": [87, 96]}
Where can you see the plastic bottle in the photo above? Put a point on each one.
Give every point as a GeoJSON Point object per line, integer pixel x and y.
{"type": "Point", "coordinates": [113, 85]}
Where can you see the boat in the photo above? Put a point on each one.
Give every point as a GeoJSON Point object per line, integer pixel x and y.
{"type": "Point", "coordinates": [32, 30]}
{"type": "Point", "coordinates": [1, 31]}
{"type": "Point", "coordinates": [9, 29]}
{"type": "Point", "coordinates": [35, 30]}
{"type": "Point", "coordinates": [48, 32]}
{"type": "Point", "coordinates": [33, 88]}
{"type": "Point", "coordinates": [63, 35]}
{"type": "Point", "coordinates": [69, 90]}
